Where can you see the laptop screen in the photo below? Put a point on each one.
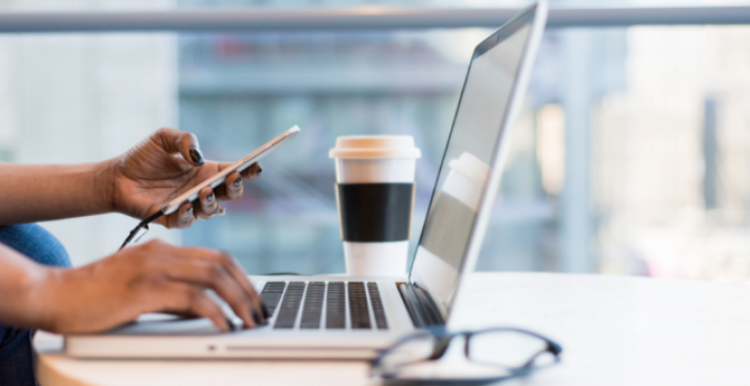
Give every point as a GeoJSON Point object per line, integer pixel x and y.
{"type": "Point", "coordinates": [478, 127]}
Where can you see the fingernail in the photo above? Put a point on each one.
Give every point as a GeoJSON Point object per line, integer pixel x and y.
{"type": "Point", "coordinates": [197, 156]}
{"type": "Point", "coordinates": [258, 319]}
{"type": "Point", "coordinates": [238, 182]}
{"type": "Point", "coordinates": [189, 211]}
{"type": "Point", "coordinates": [210, 197]}
{"type": "Point", "coordinates": [260, 170]}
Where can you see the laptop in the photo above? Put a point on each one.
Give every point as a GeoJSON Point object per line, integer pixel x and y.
{"type": "Point", "coordinates": [353, 317]}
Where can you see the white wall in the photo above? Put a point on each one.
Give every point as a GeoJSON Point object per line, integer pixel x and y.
{"type": "Point", "coordinates": [67, 98]}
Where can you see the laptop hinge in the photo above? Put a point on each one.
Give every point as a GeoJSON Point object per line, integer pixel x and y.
{"type": "Point", "coordinates": [422, 309]}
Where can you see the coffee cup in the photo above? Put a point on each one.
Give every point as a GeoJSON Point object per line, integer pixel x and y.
{"type": "Point", "coordinates": [375, 198]}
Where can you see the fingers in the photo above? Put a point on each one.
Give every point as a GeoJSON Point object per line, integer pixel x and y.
{"type": "Point", "coordinates": [189, 299]}
{"type": "Point", "coordinates": [234, 188]}
{"type": "Point", "coordinates": [251, 173]}
{"type": "Point", "coordinates": [208, 274]}
{"type": "Point", "coordinates": [208, 204]}
{"type": "Point", "coordinates": [218, 271]}
{"type": "Point", "coordinates": [182, 218]}
{"type": "Point", "coordinates": [202, 305]}
{"type": "Point", "coordinates": [230, 265]}
{"type": "Point", "coordinates": [175, 141]}
{"type": "Point", "coordinates": [240, 277]}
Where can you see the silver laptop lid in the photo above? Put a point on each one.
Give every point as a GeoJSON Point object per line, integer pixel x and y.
{"type": "Point", "coordinates": [470, 172]}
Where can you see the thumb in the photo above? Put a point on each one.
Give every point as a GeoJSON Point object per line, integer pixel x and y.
{"type": "Point", "coordinates": [176, 141]}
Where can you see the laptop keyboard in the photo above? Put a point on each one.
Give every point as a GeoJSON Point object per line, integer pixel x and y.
{"type": "Point", "coordinates": [320, 300]}
{"type": "Point", "coordinates": [358, 305]}
{"type": "Point", "coordinates": [377, 306]}
{"type": "Point", "coordinates": [290, 305]}
{"type": "Point", "coordinates": [335, 307]}
{"type": "Point", "coordinates": [272, 294]}
{"type": "Point", "coordinates": [313, 305]}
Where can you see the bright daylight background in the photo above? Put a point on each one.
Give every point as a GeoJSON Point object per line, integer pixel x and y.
{"type": "Point", "coordinates": [631, 156]}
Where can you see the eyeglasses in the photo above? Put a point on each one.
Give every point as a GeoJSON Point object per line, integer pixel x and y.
{"type": "Point", "coordinates": [491, 355]}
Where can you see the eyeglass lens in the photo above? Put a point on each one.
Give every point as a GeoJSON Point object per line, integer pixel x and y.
{"type": "Point", "coordinates": [487, 354]}
{"type": "Point", "coordinates": [508, 349]}
{"type": "Point", "coordinates": [417, 349]}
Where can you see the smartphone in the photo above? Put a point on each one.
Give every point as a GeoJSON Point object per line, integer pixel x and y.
{"type": "Point", "coordinates": [221, 177]}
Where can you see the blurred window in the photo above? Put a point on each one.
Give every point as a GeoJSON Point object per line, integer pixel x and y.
{"type": "Point", "coordinates": [630, 156]}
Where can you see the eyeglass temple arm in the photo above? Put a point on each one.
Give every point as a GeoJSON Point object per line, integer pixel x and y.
{"type": "Point", "coordinates": [441, 346]}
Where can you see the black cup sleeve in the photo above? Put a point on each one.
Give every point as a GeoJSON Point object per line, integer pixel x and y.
{"type": "Point", "coordinates": [375, 212]}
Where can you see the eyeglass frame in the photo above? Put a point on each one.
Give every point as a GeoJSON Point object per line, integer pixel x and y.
{"type": "Point", "coordinates": [443, 340]}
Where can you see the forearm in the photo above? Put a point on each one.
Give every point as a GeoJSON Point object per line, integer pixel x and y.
{"type": "Point", "coordinates": [22, 282]}
{"type": "Point", "coordinates": [30, 193]}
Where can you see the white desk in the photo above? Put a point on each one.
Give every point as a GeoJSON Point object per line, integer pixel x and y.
{"type": "Point", "coordinates": [614, 331]}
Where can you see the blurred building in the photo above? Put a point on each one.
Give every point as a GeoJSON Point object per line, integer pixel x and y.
{"type": "Point", "coordinates": [672, 152]}
{"type": "Point", "coordinates": [629, 157]}
{"type": "Point", "coordinates": [241, 89]}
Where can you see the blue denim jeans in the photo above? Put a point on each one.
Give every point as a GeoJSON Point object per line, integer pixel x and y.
{"type": "Point", "coordinates": [16, 352]}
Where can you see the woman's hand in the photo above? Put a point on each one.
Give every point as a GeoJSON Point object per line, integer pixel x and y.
{"type": "Point", "coordinates": [150, 277]}
{"type": "Point", "coordinates": [163, 166]}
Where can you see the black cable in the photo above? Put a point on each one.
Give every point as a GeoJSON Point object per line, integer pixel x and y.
{"type": "Point", "coordinates": [142, 224]}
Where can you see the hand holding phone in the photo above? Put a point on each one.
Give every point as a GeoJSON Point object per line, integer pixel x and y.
{"type": "Point", "coordinates": [220, 177]}
{"type": "Point", "coordinates": [213, 181]}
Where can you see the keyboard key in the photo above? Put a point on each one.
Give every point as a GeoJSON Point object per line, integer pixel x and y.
{"type": "Point", "coordinates": [313, 308]}
{"type": "Point", "coordinates": [271, 295]}
{"type": "Point", "coordinates": [377, 306]}
{"type": "Point", "coordinates": [335, 306]}
{"type": "Point", "coordinates": [359, 312]}
{"type": "Point", "coordinates": [290, 305]}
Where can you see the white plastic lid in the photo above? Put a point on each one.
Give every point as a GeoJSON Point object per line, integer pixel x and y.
{"type": "Point", "coordinates": [375, 146]}
{"type": "Point", "coordinates": [472, 167]}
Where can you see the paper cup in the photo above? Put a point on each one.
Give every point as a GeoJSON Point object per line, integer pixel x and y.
{"type": "Point", "coordinates": [375, 198]}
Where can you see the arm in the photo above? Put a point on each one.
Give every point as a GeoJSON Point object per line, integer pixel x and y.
{"type": "Point", "coordinates": [19, 277]}
{"type": "Point", "coordinates": [143, 278]}
{"type": "Point", "coordinates": [30, 193]}
{"type": "Point", "coordinates": [152, 277]}
{"type": "Point", "coordinates": [136, 183]}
